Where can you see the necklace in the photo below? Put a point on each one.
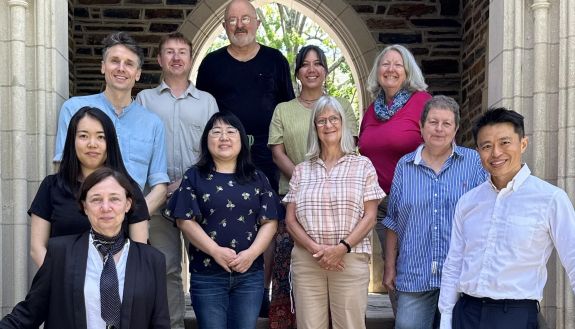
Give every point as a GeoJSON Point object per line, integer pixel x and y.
{"type": "Point", "coordinates": [308, 102]}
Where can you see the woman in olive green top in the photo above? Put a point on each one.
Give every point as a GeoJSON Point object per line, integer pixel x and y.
{"type": "Point", "coordinates": [288, 143]}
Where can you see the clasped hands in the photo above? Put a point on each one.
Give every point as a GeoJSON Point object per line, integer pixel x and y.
{"type": "Point", "coordinates": [330, 257]}
{"type": "Point", "coordinates": [232, 261]}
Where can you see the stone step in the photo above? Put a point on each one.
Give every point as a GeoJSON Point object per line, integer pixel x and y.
{"type": "Point", "coordinates": [379, 314]}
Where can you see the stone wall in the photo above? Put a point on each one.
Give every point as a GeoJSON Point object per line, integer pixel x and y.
{"type": "Point", "coordinates": [473, 64]}
{"type": "Point", "coordinates": [430, 29]}
{"type": "Point", "coordinates": [145, 20]}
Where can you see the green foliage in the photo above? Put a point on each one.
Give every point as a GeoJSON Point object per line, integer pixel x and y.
{"type": "Point", "coordinates": [288, 30]}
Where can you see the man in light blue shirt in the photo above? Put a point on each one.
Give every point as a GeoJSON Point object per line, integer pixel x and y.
{"type": "Point", "coordinates": [184, 110]}
{"type": "Point", "coordinates": [140, 132]}
{"type": "Point", "coordinates": [426, 187]}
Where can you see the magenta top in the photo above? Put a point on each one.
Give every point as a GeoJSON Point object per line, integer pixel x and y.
{"type": "Point", "coordinates": [385, 142]}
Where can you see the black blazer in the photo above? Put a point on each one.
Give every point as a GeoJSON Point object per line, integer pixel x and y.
{"type": "Point", "coordinates": [57, 293]}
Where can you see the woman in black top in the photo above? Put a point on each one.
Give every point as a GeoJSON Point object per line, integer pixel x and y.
{"type": "Point", "coordinates": [91, 143]}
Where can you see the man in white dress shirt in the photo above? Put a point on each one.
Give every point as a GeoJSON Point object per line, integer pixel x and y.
{"type": "Point", "coordinates": [503, 233]}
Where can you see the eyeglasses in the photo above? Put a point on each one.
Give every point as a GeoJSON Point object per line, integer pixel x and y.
{"type": "Point", "coordinates": [233, 21]}
{"type": "Point", "coordinates": [334, 119]}
{"type": "Point", "coordinates": [218, 132]}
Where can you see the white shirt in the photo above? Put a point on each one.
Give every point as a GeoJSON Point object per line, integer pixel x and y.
{"type": "Point", "coordinates": [94, 268]}
{"type": "Point", "coordinates": [501, 241]}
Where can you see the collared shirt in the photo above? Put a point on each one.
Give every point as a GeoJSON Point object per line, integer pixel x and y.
{"type": "Point", "coordinates": [184, 118]}
{"type": "Point", "coordinates": [501, 241]}
{"type": "Point", "coordinates": [329, 205]}
{"type": "Point", "coordinates": [140, 135]}
{"type": "Point", "coordinates": [421, 207]}
{"type": "Point", "coordinates": [94, 268]}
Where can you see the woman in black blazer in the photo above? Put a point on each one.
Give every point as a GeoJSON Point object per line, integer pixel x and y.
{"type": "Point", "coordinates": [99, 279]}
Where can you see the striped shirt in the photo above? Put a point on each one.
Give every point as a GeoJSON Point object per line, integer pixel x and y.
{"type": "Point", "coordinates": [421, 208]}
{"type": "Point", "coordinates": [329, 205]}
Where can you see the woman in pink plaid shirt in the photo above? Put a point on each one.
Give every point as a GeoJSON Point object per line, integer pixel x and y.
{"type": "Point", "coordinates": [331, 210]}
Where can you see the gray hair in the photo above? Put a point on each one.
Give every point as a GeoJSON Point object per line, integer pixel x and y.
{"type": "Point", "coordinates": [414, 80]}
{"type": "Point", "coordinates": [347, 143]}
{"type": "Point", "coordinates": [440, 102]}
{"type": "Point", "coordinates": [124, 39]}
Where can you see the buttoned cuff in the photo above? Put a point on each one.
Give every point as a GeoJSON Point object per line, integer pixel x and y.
{"type": "Point", "coordinates": [445, 322]}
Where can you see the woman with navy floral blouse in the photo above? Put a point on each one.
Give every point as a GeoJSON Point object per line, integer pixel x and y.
{"type": "Point", "coordinates": [228, 211]}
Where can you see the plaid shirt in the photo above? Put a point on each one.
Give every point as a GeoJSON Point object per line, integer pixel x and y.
{"type": "Point", "coordinates": [329, 205]}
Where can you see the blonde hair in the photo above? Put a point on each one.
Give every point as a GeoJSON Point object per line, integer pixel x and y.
{"type": "Point", "coordinates": [414, 80]}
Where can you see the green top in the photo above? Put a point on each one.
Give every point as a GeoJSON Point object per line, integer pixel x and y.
{"type": "Point", "coordinates": [290, 125]}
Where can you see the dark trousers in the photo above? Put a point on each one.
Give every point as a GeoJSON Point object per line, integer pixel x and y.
{"type": "Point", "coordinates": [486, 313]}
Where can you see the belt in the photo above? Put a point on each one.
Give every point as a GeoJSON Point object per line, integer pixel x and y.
{"type": "Point", "coordinates": [505, 303]}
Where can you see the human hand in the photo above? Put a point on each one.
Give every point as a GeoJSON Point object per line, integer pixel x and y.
{"type": "Point", "coordinates": [331, 257]}
{"type": "Point", "coordinates": [389, 275]}
{"type": "Point", "coordinates": [224, 256]}
{"type": "Point", "coordinates": [243, 261]}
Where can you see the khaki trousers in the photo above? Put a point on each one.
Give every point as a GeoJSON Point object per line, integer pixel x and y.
{"type": "Point", "coordinates": [318, 291]}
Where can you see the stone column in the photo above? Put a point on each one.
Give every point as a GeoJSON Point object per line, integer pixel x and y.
{"type": "Point", "coordinates": [17, 62]}
{"type": "Point", "coordinates": [564, 311]}
{"type": "Point", "coordinates": [538, 143]}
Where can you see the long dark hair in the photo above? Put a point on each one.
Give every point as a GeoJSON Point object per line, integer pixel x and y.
{"type": "Point", "coordinates": [245, 169]}
{"type": "Point", "coordinates": [70, 167]}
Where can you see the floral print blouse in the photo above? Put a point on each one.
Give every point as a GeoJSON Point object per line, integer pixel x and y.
{"type": "Point", "coordinates": [229, 212]}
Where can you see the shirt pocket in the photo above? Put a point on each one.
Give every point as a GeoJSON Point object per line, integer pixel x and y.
{"type": "Point", "coordinates": [520, 232]}
{"type": "Point", "coordinates": [141, 151]}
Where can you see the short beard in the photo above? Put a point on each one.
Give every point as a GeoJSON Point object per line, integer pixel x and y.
{"type": "Point", "coordinates": [242, 41]}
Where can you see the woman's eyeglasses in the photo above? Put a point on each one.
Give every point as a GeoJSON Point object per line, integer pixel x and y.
{"type": "Point", "coordinates": [334, 119]}
{"type": "Point", "coordinates": [217, 132]}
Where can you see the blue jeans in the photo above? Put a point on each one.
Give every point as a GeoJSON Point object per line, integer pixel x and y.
{"type": "Point", "coordinates": [227, 300]}
{"type": "Point", "coordinates": [417, 310]}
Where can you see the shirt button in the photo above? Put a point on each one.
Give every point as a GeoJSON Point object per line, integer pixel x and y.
{"type": "Point", "coordinates": [435, 227]}
{"type": "Point", "coordinates": [435, 195]}
{"type": "Point", "coordinates": [435, 210]}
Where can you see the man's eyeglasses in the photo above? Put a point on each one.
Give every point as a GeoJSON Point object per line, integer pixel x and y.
{"type": "Point", "coordinates": [233, 21]}
{"type": "Point", "coordinates": [334, 119]}
{"type": "Point", "coordinates": [217, 132]}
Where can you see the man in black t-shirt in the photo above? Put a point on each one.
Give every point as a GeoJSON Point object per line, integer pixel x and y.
{"type": "Point", "coordinates": [249, 80]}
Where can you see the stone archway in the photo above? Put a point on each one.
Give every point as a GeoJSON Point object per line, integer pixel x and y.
{"type": "Point", "coordinates": [336, 17]}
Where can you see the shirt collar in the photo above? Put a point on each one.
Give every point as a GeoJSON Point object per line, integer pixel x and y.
{"type": "Point", "coordinates": [517, 180]}
{"type": "Point", "coordinates": [124, 110]}
{"type": "Point", "coordinates": [190, 91]}
{"type": "Point", "coordinates": [417, 158]}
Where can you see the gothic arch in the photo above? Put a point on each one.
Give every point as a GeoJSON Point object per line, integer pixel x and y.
{"type": "Point", "coordinates": [336, 17]}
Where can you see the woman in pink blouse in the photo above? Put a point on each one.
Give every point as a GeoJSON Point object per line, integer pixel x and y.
{"type": "Point", "coordinates": [390, 125]}
{"type": "Point", "coordinates": [331, 209]}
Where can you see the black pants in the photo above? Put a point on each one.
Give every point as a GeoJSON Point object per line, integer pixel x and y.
{"type": "Point", "coordinates": [486, 313]}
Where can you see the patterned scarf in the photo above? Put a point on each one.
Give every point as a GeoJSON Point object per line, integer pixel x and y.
{"type": "Point", "coordinates": [385, 112]}
{"type": "Point", "coordinates": [110, 303]}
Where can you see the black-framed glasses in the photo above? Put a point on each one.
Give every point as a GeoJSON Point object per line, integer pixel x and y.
{"type": "Point", "coordinates": [233, 21]}
{"type": "Point", "coordinates": [334, 119]}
